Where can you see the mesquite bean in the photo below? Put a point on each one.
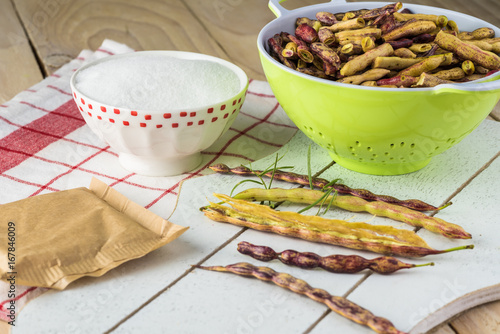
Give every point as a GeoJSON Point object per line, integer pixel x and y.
{"type": "Point", "coordinates": [339, 305]}
{"type": "Point", "coordinates": [401, 43]}
{"type": "Point", "coordinates": [363, 61]}
{"type": "Point", "coordinates": [355, 204]}
{"type": "Point", "coordinates": [306, 33]}
{"type": "Point", "coordinates": [355, 23]}
{"type": "Point", "coordinates": [423, 38]}
{"type": "Point", "coordinates": [326, 36]}
{"type": "Point", "coordinates": [392, 26]}
{"type": "Point", "coordinates": [303, 50]}
{"type": "Point", "coordinates": [275, 45]}
{"type": "Point", "coordinates": [320, 183]}
{"type": "Point", "coordinates": [398, 81]}
{"type": "Point", "coordinates": [345, 264]}
{"type": "Point", "coordinates": [429, 80]}
{"type": "Point", "coordinates": [410, 29]}
{"type": "Point", "coordinates": [454, 73]}
{"type": "Point", "coordinates": [468, 51]}
{"type": "Point", "coordinates": [468, 67]}
{"type": "Point", "coordinates": [389, 9]}
{"type": "Point", "coordinates": [394, 63]}
{"type": "Point", "coordinates": [425, 65]}
{"type": "Point", "coordinates": [404, 53]}
{"type": "Point", "coordinates": [326, 18]}
{"type": "Point", "coordinates": [326, 54]}
{"type": "Point", "coordinates": [386, 240]}
{"type": "Point", "coordinates": [370, 75]}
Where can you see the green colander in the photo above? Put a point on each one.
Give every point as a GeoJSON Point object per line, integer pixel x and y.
{"type": "Point", "coordinates": [381, 131]}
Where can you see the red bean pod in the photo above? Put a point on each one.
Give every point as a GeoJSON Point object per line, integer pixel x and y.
{"type": "Point", "coordinates": [401, 43]}
{"type": "Point", "coordinates": [345, 264]}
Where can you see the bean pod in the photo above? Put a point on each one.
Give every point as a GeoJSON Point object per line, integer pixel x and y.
{"type": "Point", "coordinates": [339, 305]}
{"type": "Point", "coordinates": [342, 264]}
{"type": "Point", "coordinates": [320, 183]}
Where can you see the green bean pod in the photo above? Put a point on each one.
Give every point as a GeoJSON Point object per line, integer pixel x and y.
{"type": "Point", "coordinates": [356, 204]}
{"type": "Point", "coordinates": [320, 183]}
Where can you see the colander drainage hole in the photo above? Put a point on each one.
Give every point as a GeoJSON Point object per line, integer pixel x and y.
{"type": "Point", "coordinates": [402, 144]}
{"type": "Point", "coordinates": [358, 144]}
{"type": "Point", "coordinates": [392, 145]}
{"type": "Point", "coordinates": [369, 148]}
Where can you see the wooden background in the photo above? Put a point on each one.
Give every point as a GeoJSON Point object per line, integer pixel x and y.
{"type": "Point", "coordinates": [39, 36]}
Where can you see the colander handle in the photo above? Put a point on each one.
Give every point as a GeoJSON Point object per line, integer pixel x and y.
{"type": "Point", "coordinates": [280, 11]}
{"type": "Point", "coordinates": [490, 86]}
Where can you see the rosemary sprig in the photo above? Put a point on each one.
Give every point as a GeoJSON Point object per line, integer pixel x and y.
{"type": "Point", "coordinates": [261, 174]}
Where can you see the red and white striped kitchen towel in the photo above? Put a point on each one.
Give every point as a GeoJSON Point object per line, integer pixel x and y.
{"type": "Point", "coordinates": [46, 146]}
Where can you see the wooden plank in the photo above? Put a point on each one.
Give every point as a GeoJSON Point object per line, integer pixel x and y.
{"type": "Point", "coordinates": [18, 67]}
{"type": "Point", "coordinates": [483, 319]}
{"type": "Point", "coordinates": [60, 29]}
{"type": "Point", "coordinates": [236, 25]}
{"type": "Point", "coordinates": [444, 329]}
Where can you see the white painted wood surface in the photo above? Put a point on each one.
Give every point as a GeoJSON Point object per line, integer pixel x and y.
{"type": "Point", "coordinates": [161, 293]}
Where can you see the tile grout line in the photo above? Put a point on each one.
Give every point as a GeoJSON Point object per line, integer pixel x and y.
{"type": "Point", "coordinates": [345, 295]}
{"type": "Point", "coordinates": [351, 289]}
{"type": "Point", "coordinates": [466, 183]}
{"type": "Point", "coordinates": [188, 271]}
{"type": "Point", "coordinates": [223, 245]}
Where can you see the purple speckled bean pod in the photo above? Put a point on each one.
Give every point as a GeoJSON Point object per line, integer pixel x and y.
{"type": "Point", "coordinates": [339, 305]}
{"type": "Point", "coordinates": [345, 264]}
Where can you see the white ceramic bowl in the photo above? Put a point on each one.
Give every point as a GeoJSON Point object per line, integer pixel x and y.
{"type": "Point", "coordinates": [162, 143]}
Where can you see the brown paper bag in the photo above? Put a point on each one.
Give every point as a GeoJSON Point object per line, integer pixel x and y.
{"type": "Point", "coordinates": [53, 239]}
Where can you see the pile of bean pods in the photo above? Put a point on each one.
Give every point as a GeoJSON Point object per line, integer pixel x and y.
{"type": "Point", "coordinates": [380, 239]}
{"type": "Point", "coordinates": [387, 240]}
{"type": "Point", "coordinates": [387, 47]}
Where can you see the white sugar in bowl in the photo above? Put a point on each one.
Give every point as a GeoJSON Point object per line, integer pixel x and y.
{"type": "Point", "coordinates": [159, 109]}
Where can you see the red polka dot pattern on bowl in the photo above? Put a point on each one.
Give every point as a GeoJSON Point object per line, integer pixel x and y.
{"type": "Point", "coordinates": [133, 118]}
